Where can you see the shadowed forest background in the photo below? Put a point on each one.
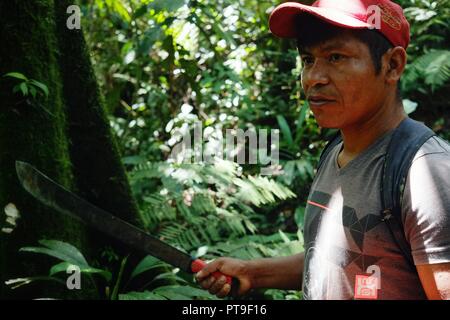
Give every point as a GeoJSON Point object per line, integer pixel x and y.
{"type": "Point", "coordinates": [100, 109]}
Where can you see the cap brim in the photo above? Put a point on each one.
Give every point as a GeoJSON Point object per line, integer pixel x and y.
{"type": "Point", "coordinates": [282, 19]}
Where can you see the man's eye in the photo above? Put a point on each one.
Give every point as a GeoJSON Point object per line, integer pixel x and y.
{"type": "Point", "coordinates": [307, 60]}
{"type": "Point", "coordinates": [335, 57]}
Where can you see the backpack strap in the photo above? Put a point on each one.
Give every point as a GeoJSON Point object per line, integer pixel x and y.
{"type": "Point", "coordinates": [406, 140]}
{"type": "Point", "coordinates": [332, 142]}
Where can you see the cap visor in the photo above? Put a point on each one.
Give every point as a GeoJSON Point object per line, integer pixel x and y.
{"type": "Point", "coordinates": [282, 19]}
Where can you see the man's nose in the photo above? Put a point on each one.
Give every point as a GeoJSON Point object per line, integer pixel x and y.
{"type": "Point", "coordinates": [315, 75]}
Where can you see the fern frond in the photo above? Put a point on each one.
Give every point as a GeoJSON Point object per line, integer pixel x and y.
{"type": "Point", "coordinates": [433, 67]}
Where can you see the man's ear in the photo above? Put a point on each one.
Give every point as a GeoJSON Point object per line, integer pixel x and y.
{"type": "Point", "coordinates": [394, 61]}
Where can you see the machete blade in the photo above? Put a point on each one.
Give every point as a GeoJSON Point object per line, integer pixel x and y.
{"type": "Point", "coordinates": [57, 197]}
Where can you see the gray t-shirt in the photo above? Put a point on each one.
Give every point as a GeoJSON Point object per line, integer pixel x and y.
{"type": "Point", "coordinates": [349, 252]}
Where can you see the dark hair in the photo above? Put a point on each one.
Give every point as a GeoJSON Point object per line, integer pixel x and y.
{"type": "Point", "coordinates": [316, 31]}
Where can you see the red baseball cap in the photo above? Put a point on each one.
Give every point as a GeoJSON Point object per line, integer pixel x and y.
{"type": "Point", "coordinates": [351, 14]}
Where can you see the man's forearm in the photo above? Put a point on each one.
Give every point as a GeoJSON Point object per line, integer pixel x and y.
{"type": "Point", "coordinates": [278, 273]}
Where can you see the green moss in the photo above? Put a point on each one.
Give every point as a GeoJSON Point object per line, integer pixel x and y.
{"type": "Point", "coordinates": [74, 145]}
{"type": "Point", "coordinates": [27, 132]}
{"type": "Point", "coordinates": [98, 168]}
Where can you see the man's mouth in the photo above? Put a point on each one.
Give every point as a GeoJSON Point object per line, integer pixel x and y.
{"type": "Point", "coordinates": [318, 101]}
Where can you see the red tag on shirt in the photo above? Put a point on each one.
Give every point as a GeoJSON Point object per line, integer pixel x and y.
{"type": "Point", "coordinates": [366, 287]}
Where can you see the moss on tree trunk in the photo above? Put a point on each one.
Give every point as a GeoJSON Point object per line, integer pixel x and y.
{"type": "Point", "coordinates": [99, 173]}
{"type": "Point", "coordinates": [98, 169]}
{"type": "Point", "coordinates": [29, 133]}
{"type": "Point", "coordinates": [66, 135]}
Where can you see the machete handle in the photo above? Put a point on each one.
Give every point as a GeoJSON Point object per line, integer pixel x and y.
{"type": "Point", "coordinates": [199, 264]}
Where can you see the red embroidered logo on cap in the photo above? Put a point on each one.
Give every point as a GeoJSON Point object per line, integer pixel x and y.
{"type": "Point", "coordinates": [390, 17]}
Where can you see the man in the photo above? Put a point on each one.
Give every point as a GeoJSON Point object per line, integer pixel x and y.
{"type": "Point", "coordinates": [350, 77]}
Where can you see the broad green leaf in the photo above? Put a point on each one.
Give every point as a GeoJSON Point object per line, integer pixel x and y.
{"type": "Point", "coordinates": [287, 134]}
{"type": "Point", "coordinates": [170, 276]}
{"type": "Point", "coordinates": [58, 249]}
{"type": "Point", "coordinates": [146, 264]}
{"type": "Point", "coordinates": [300, 216]}
{"type": "Point", "coordinates": [16, 283]}
{"type": "Point", "coordinates": [284, 236]}
{"type": "Point", "coordinates": [33, 92]}
{"type": "Point", "coordinates": [63, 266]}
{"type": "Point", "coordinates": [41, 86]}
{"type": "Point", "coordinates": [289, 172]}
{"type": "Point", "coordinates": [23, 88]}
{"type": "Point", "coordinates": [16, 75]}
{"type": "Point", "coordinates": [301, 119]}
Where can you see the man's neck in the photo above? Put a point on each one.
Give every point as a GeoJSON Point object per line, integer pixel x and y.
{"type": "Point", "coordinates": [358, 138]}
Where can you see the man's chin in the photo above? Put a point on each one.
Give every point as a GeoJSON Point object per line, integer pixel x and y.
{"type": "Point", "coordinates": [330, 121]}
{"type": "Point", "coordinates": [327, 124]}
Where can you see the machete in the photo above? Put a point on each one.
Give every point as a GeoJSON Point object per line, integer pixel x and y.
{"type": "Point", "coordinates": [57, 197]}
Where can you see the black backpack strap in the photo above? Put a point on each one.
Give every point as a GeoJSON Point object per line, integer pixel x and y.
{"type": "Point", "coordinates": [332, 142]}
{"type": "Point", "coordinates": [406, 140]}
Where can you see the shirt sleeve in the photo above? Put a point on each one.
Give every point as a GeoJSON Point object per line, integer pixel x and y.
{"type": "Point", "coordinates": [426, 208]}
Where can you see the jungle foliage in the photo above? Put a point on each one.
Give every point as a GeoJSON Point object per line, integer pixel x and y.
{"type": "Point", "coordinates": [163, 66]}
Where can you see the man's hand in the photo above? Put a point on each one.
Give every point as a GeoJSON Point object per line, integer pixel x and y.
{"type": "Point", "coordinates": [231, 267]}
{"type": "Point", "coordinates": [277, 273]}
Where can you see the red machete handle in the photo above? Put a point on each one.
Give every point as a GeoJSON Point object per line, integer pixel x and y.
{"type": "Point", "coordinates": [199, 264]}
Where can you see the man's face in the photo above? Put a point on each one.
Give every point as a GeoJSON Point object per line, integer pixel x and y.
{"type": "Point", "coordinates": [340, 83]}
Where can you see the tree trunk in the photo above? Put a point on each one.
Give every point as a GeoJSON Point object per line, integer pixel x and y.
{"type": "Point", "coordinates": [98, 169]}
{"type": "Point", "coordinates": [66, 136]}
{"type": "Point", "coordinates": [99, 173]}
